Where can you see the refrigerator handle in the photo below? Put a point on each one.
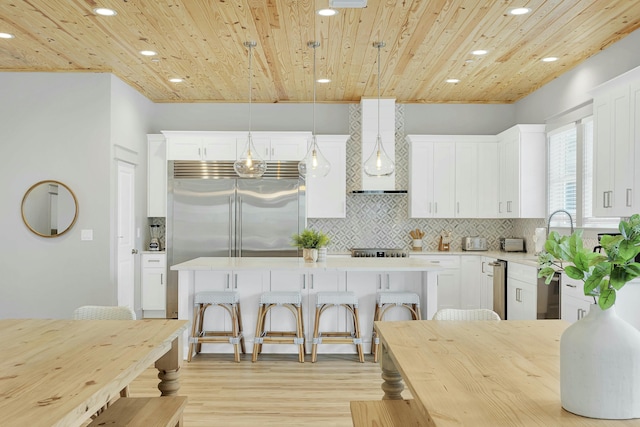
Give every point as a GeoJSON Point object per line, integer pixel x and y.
{"type": "Point", "coordinates": [230, 224]}
{"type": "Point", "coordinates": [239, 236]}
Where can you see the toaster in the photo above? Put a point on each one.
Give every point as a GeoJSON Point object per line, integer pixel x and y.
{"type": "Point", "coordinates": [474, 244]}
{"type": "Point", "coordinates": [512, 244]}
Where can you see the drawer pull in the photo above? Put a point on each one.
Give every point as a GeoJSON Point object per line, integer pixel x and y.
{"type": "Point", "coordinates": [572, 286]}
{"type": "Point", "coordinates": [153, 260]}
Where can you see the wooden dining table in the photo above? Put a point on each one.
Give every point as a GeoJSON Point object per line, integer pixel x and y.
{"type": "Point", "coordinates": [480, 374]}
{"type": "Point", "coordinates": [60, 372]}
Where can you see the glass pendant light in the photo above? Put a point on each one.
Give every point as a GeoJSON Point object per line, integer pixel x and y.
{"type": "Point", "coordinates": [314, 164]}
{"type": "Point", "coordinates": [250, 164]}
{"type": "Point", "coordinates": [379, 163]}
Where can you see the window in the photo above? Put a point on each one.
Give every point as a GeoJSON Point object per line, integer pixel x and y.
{"type": "Point", "coordinates": [570, 175]}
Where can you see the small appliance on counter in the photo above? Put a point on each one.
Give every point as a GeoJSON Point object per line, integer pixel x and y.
{"type": "Point", "coordinates": [445, 241]}
{"type": "Point", "coordinates": [474, 243]}
{"type": "Point", "coordinates": [512, 244]}
{"type": "Point", "coordinates": [154, 243]}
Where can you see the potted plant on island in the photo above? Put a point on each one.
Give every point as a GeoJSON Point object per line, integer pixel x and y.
{"type": "Point", "coordinates": [310, 241]}
{"type": "Point", "coordinates": [599, 354]}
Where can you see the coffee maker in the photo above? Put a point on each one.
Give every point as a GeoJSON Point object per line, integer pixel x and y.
{"type": "Point", "coordinates": [154, 243]}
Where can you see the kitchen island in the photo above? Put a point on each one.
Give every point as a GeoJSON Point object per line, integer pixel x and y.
{"type": "Point", "coordinates": [252, 276]}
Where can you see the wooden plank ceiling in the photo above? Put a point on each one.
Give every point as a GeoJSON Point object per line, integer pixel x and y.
{"type": "Point", "coordinates": [427, 41]}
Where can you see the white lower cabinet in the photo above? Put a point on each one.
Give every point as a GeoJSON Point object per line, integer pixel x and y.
{"type": "Point", "coordinates": [522, 292]}
{"type": "Point", "coordinates": [449, 290]}
{"type": "Point", "coordinates": [575, 304]}
{"type": "Point", "coordinates": [471, 282]}
{"type": "Point", "coordinates": [486, 278]}
{"type": "Point", "coordinates": [154, 284]}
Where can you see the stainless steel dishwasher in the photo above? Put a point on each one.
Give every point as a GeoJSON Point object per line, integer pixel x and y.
{"type": "Point", "coordinates": [500, 288]}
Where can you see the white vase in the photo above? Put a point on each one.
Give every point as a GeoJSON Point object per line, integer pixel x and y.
{"type": "Point", "coordinates": [309, 255]}
{"type": "Point", "coordinates": [600, 366]}
{"type": "Point", "coordinates": [322, 254]}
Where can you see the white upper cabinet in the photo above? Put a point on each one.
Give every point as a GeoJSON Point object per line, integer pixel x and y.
{"type": "Point", "coordinates": [200, 145]}
{"type": "Point", "coordinates": [522, 172]}
{"type": "Point", "coordinates": [277, 146]}
{"type": "Point", "coordinates": [226, 146]}
{"type": "Point", "coordinates": [450, 174]}
{"type": "Point", "coordinates": [326, 196]}
{"type": "Point", "coordinates": [616, 113]}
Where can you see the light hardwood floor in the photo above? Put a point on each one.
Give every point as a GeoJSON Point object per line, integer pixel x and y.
{"type": "Point", "coordinates": [277, 390]}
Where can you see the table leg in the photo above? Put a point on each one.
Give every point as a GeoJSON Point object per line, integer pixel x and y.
{"type": "Point", "coordinates": [169, 369]}
{"type": "Point", "coordinates": [392, 380]}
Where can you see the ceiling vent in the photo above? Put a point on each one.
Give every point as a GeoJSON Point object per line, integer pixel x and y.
{"type": "Point", "coordinates": [348, 3]}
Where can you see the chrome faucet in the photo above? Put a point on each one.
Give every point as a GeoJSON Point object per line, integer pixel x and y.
{"type": "Point", "coordinates": [551, 216]}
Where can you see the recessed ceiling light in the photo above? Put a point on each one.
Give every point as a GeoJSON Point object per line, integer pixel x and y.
{"type": "Point", "coordinates": [148, 53]}
{"type": "Point", "coordinates": [103, 11]}
{"type": "Point", "coordinates": [323, 80]}
{"type": "Point", "coordinates": [519, 11]}
{"type": "Point", "coordinates": [327, 12]}
{"type": "Point", "coordinates": [175, 80]}
{"type": "Point", "coordinates": [453, 80]}
{"type": "Point", "coordinates": [480, 52]}
{"type": "Point", "coordinates": [6, 36]}
{"type": "Point", "coordinates": [549, 59]}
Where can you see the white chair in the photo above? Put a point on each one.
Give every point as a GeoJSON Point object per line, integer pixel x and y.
{"type": "Point", "coordinates": [466, 315]}
{"type": "Point", "coordinates": [101, 312]}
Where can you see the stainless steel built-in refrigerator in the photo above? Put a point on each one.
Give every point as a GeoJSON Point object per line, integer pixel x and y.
{"type": "Point", "coordinates": [212, 212]}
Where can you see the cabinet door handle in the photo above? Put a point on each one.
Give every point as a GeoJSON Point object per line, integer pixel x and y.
{"type": "Point", "coordinates": [304, 281]}
{"type": "Point", "coordinates": [429, 207]}
{"type": "Point", "coordinates": [457, 207]}
{"type": "Point", "coordinates": [388, 282]}
{"type": "Point", "coordinates": [235, 281]}
{"type": "Point", "coordinates": [205, 151]}
{"type": "Point", "coordinates": [604, 199]}
{"type": "Point", "coordinates": [518, 294]}
{"type": "Point", "coordinates": [509, 206]}
{"type": "Point", "coordinates": [311, 280]}
{"type": "Point", "coordinates": [436, 207]}
{"type": "Point", "coordinates": [499, 207]}
{"type": "Point", "coordinates": [571, 286]}
{"type": "Point", "coordinates": [153, 260]}
{"type": "Point", "coordinates": [228, 284]}
{"type": "Point", "coordinates": [629, 198]}
{"type": "Point", "coordinates": [162, 278]}
{"type": "Point", "coordinates": [380, 281]}
{"type": "Point", "coordinates": [199, 152]}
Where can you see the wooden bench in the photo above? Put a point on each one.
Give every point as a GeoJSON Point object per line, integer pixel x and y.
{"type": "Point", "coordinates": [163, 411]}
{"type": "Point", "coordinates": [387, 413]}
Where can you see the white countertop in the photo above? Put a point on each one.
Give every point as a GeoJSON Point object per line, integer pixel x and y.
{"type": "Point", "coordinates": [337, 263]}
{"type": "Point", "coordinates": [518, 257]}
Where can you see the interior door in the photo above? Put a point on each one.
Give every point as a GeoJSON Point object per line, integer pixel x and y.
{"type": "Point", "coordinates": [126, 239]}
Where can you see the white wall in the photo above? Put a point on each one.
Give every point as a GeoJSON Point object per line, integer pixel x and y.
{"type": "Point", "coordinates": [58, 126]}
{"type": "Point", "coordinates": [572, 88]}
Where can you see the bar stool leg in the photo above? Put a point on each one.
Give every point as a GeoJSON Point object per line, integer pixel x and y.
{"type": "Point", "coordinates": [242, 346]}
{"type": "Point", "coordinates": [258, 336]}
{"type": "Point", "coordinates": [376, 315]}
{"type": "Point", "coordinates": [356, 332]}
{"type": "Point", "coordinates": [316, 333]}
{"type": "Point", "coordinates": [300, 333]}
{"type": "Point", "coordinates": [234, 332]}
{"type": "Point", "coordinates": [203, 308]}
{"type": "Point", "coordinates": [196, 314]}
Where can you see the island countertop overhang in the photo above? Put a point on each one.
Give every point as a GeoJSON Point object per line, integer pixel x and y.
{"type": "Point", "coordinates": [283, 263]}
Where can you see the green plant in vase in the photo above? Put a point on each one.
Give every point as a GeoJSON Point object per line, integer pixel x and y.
{"type": "Point", "coordinates": [310, 241]}
{"type": "Point", "coordinates": [603, 274]}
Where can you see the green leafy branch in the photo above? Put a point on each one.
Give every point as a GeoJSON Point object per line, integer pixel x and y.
{"type": "Point", "coordinates": [603, 274]}
{"type": "Point", "coordinates": [310, 239]}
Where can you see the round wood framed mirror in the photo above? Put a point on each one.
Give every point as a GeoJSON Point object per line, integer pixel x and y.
{"type": "Point", "coordinates": [49, 208]}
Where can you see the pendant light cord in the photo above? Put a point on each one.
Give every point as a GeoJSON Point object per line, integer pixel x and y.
{"type": "Point", "coordinates": [250, 45]}
{"type": "Point", "coordinates": [379, 45]}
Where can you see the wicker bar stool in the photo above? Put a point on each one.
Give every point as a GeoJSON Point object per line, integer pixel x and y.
{"type": "Point", "coordinates": [293, 302]}
{"type": "Point", "coordinates": [384, 301]}
{"type": "Point", "coordinates": [230, 301]}
{"type": "Point", "coordinates": [349, 301]}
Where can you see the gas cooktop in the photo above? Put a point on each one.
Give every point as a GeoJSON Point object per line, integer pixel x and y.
{"type": "Point", "coordinates": [379, 253]}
